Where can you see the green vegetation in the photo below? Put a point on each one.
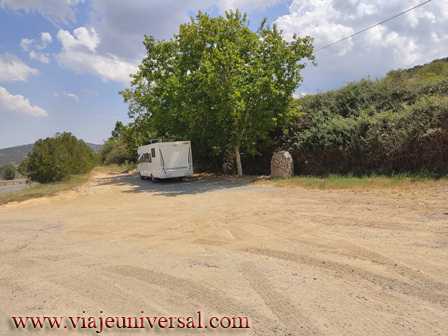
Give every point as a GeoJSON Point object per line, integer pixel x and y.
{"type": "Point", "coordinates": [57, 159]}
{"type": "Point", "coordinates": [17, 154]}
{"type": "Point", "coordinates": [121, 147]}
{"type": "Point", "coordinates": [114, 152]}
{"type": "Point", "coordinates": [351, 182]}
{"type": "Point", "coordinates": [398, 124]}
{"type": "Point", "coordinates": [8, 171]}
{"type": "Point", "coordinates": [218, 84]}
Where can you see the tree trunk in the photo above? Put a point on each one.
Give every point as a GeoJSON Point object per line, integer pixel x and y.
{"type": "Point", "coordinates": [238, 161]}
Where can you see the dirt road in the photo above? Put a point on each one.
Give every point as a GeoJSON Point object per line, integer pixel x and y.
{"type": "Point", "coordinates": [295, 262]}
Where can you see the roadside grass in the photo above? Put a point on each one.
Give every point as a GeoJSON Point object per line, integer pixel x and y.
{"type": "Point", "coordinates": [50, 189]}
{"type": "Point", "coordinates": [44, 190]}
{"type": "Point", "coordinates": [360, 183]}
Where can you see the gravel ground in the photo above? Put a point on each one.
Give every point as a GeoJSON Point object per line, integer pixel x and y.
{"type": "Point", "coordinates": [294, 261]}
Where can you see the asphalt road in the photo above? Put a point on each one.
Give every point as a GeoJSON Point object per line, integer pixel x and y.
{"type": "Point", "coordinates": [7, 189]}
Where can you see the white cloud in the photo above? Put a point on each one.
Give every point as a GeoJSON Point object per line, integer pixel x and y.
{"type": "Point", "coordinates": [416, 37]}
{"type": "Point", "coordinates": [320, 20]}
{"type": "Point", "coordinates": [82, 37]}
{"type": "Point", "coordinates": [53, 10]}
{"type": "Point", "coordinates": [116, 43]}
{"type": "Point", "coordinates": [245, 5]}
{"type": "Point", "coordinates": [56, 94]}
{"type": "Point", "coordinates": [123, 37]}
{"type": "Point", "coordinates": [31, 44]}
{"type": "Point", "coordinates": [71, 95]}
{"type": "Point", "coordinates": [13, 69]}
{"type": "Point", "coordinates": [19, 104]}
{"type": "Point", "coordinates": [38, 56]}
{"type": "Point", "coordinates": [366, 9]}
{"type": "Point", "coordinates": [79, 54]}
{"type": "Point", "coordinates": [25, 44]}
{"type": "Point", "coordinates": [45, 39]}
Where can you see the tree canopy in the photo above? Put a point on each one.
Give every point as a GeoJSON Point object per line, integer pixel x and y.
{"type": "Point", "coordinates": [218, 83]}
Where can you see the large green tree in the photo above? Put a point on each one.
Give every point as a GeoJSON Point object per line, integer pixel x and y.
{"type": "Point", "coordinates": [218, 83]}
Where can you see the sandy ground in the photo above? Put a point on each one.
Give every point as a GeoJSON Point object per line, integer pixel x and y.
{"type": "Point", "coordinates": [294, 261]}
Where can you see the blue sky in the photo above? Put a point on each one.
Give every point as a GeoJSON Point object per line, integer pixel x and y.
{"type": "Point", "coordinates": [62, 62]}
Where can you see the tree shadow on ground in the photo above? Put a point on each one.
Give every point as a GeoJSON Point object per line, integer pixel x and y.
{"type": "Point", "coordinates": [173, 187]}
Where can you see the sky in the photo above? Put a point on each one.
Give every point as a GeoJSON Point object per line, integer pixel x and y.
{"type": "Point", "coordinates": [63, 62]}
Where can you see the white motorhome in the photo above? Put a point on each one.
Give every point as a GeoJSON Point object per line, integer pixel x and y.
{"type": "Point", "coordinates": [165, 160]}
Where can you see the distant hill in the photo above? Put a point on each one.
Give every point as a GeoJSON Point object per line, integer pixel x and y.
{"type": "Point", "coordinates": [18, 153]}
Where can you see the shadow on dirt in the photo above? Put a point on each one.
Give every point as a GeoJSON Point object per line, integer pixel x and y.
{"type": "Point", "coordinates": [173, 187]}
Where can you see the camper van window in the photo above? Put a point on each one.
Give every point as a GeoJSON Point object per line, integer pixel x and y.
{"type": "Point", "coordinates": [153, 152]}
{"type": "Point", "coordinates": [146, 158]}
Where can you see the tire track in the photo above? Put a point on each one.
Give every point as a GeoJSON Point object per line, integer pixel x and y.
{"type": "Point", "coordinates": [433, 295]}
{"type": "Point", "coordinates": [355, 309]}
{"type": "Point", "coordinates": [206, 296]}
{"type": "Point", "coordinates": [354, 250]}
{"type": "Point", "coordinates": [357, 306]}
{"type": "Point", "coordinates": [289, 315]}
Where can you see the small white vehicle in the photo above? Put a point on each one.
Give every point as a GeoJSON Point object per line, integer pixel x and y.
{"type": "Point", "coordinates": [162, 160]}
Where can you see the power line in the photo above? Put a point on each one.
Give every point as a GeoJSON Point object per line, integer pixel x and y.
{"type": "Point", "coordinates": [362, 31]}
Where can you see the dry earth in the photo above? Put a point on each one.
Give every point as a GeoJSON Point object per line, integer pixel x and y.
{"type": "Point", "coordinates": [296, 262]}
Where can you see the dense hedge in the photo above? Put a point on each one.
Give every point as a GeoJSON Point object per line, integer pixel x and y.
{"type": "Point", "coordinates": [395, 125]}
{"type": "Point", "coordinates": [58, 158]}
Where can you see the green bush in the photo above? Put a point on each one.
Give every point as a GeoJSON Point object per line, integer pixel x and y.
{"type": "Point", "coordinates": [8, 171]}
{"type": "Point", "coordinates": [398, 124]}
{"type": "Point", "coordinates": [58, 158]}
{"type": "Point", "coordinates": [115, 152]}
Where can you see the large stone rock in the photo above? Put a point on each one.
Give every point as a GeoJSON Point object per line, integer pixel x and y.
{"type": "Point", "coordinates": [282, 165]}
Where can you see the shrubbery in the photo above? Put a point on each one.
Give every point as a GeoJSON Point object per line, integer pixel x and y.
{"type": "Point", "coordinates": [115, 152]}
{"type": "Point", "coordinates": [58, 158]}
{"type": "Point", "coordinates": [394, 125]}
{"type": "Point", "coordinates": [8, 171]}
{"type": "Point", "coordinates": [122, 146]}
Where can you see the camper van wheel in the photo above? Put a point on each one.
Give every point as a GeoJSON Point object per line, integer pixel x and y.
{"type": "Point", "coordinates": [141, 177]}
{"type": "Point", "coordinates": [154, 179]}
